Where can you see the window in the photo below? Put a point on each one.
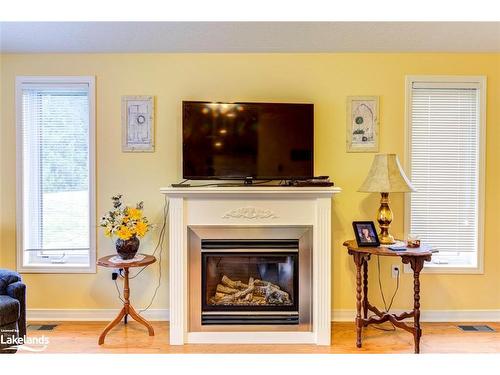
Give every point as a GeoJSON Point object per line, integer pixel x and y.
{"type": "Point", "coordinates": [445, 162]}
{"type": "Point", "coordinates": [55, 165]}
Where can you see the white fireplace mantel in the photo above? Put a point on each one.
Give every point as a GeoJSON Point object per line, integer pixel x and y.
{"type": "Point", "coordinates": [259, 206]}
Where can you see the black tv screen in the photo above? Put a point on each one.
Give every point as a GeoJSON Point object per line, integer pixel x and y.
{"type": "Point", "coordinates": [241, 140]}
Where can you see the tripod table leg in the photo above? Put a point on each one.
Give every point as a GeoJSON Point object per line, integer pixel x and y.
{"type": "Point", "coordinates": [111, 325]}
{"type": "Point", "coordinates": [141, 320]}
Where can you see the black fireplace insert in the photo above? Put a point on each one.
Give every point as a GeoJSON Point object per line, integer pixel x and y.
{"type": "Point", "coordinates": [258, 278]}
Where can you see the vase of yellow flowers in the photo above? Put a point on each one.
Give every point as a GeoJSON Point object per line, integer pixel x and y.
{"type": "Point", "coordinates": [127, 224]}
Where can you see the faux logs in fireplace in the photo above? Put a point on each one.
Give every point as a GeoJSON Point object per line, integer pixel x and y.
{"type": "Point", "coordinates": [255, 293]}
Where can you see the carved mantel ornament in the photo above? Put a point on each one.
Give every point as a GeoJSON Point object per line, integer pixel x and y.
{"type": "Point", "coordinates": [249, 213]}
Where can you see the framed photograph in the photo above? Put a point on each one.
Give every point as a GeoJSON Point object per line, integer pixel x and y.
{"type": "Point", "coordinates": [138, 131]}
{"type": "Point", "coordinates": [362, 124]}
{"type": "Point", "coordinates": [366, 234]}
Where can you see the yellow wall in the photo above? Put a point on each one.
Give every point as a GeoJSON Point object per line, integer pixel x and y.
{"type": "Point", "coordinates": [322, 79]}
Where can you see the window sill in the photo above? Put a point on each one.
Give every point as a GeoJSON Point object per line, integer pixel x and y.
{"type": "Point", "coordinates": [45, 268]}
{"type": "Point", "coordinates": [443, 269]}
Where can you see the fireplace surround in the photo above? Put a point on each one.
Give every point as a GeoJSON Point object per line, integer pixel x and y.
{"type": "Point", "coordinates": [273, 265]}
{"type": "Point", "coordinates": [250, 264]}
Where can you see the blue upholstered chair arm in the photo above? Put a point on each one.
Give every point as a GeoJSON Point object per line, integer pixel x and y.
{"type": "Point", "coordinates": [7, 277]}
{"type": "Point", "coordinates": [12, 285]}
{"type": "Point", "coordinates": [17, 291]}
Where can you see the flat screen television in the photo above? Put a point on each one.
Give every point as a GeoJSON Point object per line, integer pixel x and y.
{"type": "Point", "coordinates": [262, 141]}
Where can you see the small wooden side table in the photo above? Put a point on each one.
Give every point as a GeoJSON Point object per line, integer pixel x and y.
{"type": "Point", "coordinates": [415, 258]}
{"type": "Point", "coordinates": [127, 307]}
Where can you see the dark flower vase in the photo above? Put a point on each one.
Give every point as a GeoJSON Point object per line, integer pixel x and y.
{"type": "Point", "coordinates": [127, 249]}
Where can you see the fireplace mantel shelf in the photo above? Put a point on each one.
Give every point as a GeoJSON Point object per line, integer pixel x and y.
{"type": "Point", "coordinates": [234, 208]}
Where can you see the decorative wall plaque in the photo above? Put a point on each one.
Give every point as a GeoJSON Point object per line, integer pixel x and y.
{"type": "Point", "coordinates": [362, 124]}
{"type": "Point", "coordinates": [138, 132]}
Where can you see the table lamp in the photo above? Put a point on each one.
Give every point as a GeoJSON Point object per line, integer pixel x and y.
{"type": "Point", "coordinates": [386, 176]}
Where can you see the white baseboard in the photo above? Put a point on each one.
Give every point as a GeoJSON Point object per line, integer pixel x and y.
{"type": "Point", "coordinates": [89, 315]}
{"type": "Point", "coordinates": [337, 315]}
{"type": "Point", "coordinates": [433, 315]}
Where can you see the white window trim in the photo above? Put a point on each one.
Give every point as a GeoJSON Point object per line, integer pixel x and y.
{"type": "Point", "coordinates": [56, 268]}
{"type": "Point", "coordinates": [481, 81]}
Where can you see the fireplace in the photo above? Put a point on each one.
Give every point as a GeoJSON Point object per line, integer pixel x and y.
{"type": "Point", "coordinates": [250, 278]}
{"type": "Point", "coordinates": [250, 281]}
{"type": "Point", "coordinates": [250, 213]}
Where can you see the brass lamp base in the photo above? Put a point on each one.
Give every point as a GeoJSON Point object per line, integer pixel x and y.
{"type": "Point", "coordinates": [384, 218]}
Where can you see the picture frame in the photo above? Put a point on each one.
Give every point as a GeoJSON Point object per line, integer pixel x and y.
{"type": "Point", "coordinates": [366, 233]}
{"type": "Point", "coordinates": [362, 124]}
{"type": "Point", "coordinates": [138, 128]}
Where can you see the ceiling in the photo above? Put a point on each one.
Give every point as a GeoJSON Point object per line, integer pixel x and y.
{"type": "Point", "coordinates": [118, 37]}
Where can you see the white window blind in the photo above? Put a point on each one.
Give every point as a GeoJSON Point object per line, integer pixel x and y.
{"type": "Point", "coordinates": [55, 132]}
{"type": "Point", "coordinates": [445, 167]}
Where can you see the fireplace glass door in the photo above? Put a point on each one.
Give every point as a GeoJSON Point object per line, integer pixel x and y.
{"type": "Point", "coordinates": [244, 280]}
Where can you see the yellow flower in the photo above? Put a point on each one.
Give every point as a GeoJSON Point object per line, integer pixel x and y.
{"type": "Point", "coordinates": [125, 219]}
{"type": "Point", "coordinates": [141, 228]}
{"type": "Point", "coordinates": [134, 213]}
{"type": "Point", "coordinates": [107, 231]}
{"type": "Point", "coordinates": [124, 233]}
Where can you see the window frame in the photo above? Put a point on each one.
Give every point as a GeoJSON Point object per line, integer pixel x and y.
{"type": "Point", "coordinates": [454, 268]}
{"type": "Point", "coordinates": [55, 267]}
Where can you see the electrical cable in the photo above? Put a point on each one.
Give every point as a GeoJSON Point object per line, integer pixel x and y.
{"type": "Point", "coordinates": [118, 291]}
{"type": "Point", "coordinates": [380, 283]}
{"type": "Point", "coordinates": [157, 286]}
{"type": "Point", "coordinates": [395, 291]}
{"type": "Point", "coordinates": [387, 309]}
{"type": "Point", "coordinates": [159, 246]}
{"type": "Point", "coordinates": [160, 237]}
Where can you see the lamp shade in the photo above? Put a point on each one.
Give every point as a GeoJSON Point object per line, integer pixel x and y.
{"type": "Point", "coordinates": [386, 176]}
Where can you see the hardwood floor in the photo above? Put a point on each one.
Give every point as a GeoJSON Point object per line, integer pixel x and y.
{"type": "Point", "coordinates": [81, 337]}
